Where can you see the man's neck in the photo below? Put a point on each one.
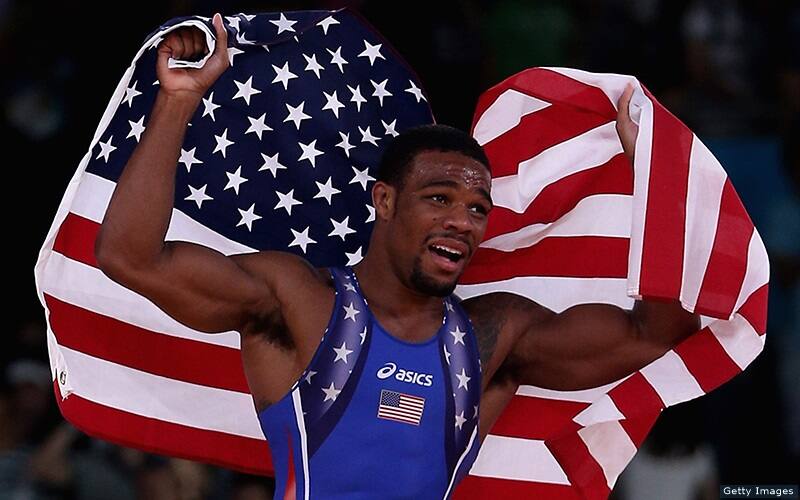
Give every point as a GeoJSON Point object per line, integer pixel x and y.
{"type": "Point", "coordinates": [388, 295]}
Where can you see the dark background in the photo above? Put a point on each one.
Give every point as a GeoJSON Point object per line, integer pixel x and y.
{"type": "Point", "coordinates": [727, 68]}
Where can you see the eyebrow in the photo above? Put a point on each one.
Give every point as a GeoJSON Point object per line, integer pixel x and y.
{"type": "Point", "coordinates": [454, 184]}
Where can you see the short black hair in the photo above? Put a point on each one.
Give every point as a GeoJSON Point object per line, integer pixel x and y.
{"type": "Point", "coordinates": [400, 153]}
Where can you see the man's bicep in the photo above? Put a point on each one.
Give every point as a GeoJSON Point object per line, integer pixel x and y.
{"type": "Point", "coordinates": [585, 346]}
{"type": "Point", "coordinates": [201, 287]}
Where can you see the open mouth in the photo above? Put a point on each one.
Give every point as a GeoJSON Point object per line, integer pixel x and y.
{"type": "Point", "coordinates": [451, 254]}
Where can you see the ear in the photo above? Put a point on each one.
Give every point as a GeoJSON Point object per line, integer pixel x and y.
{"type": "Point", "coordinates": [384, 199]}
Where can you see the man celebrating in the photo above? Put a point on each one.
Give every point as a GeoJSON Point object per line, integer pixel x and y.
{"type": "Point", "coordinates": [372, 381]}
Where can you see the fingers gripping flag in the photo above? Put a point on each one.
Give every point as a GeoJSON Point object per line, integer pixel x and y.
{"type": "Point", "coordinates": [281, 155]}
{"type": "Point", "coordinates": [574, 223]}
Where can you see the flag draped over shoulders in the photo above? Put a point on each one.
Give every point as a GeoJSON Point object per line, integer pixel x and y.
{"type": "Point", "coordinates": [281, 155]}
{"type": "Point", "coordinates": [575, 223]}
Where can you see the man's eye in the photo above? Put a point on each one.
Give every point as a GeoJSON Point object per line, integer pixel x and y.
{"type": "Point", "coordinates": [479, 209]}
{"type": "Point", "coordinates": [438, 198]}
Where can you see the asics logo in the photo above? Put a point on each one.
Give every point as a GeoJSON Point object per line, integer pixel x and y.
{"type": "Point", "coordinates": [408, 376]}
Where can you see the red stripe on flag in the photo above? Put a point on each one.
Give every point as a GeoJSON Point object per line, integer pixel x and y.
{"type": "Point", "coordinates": [635, 396]}
{"type": "Point", "coordinates": [664, 229]}
{"type": "Point", "coordinates": [707, 360]}
{"type": "Point", "coordinates": [479, 488]}
{"type": "Point", "coordinates": [537, 132]}
{"type": "Point", "coordinates": [538, 418]}
{"type": "Point", "coordinates": [152, 352]}
{"type": "Point", "coordinates": [754, 309]}
{"type": "Point", "coordinates": [558, 198]}
{"type": "Point", "coordinates": [166, 438]}
{"type": "Point", "coordinates": [637, 428]}
{"type": "Point", "coordinates": [583, 471]}
{"type": "Point", "coordinates": [573, 256]}
{"type": "Point", "coordinates": [728, 261]}
{"type": "Point", "coordinates": [76, 237]}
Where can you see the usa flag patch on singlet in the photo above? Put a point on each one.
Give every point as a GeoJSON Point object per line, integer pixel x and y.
{"type": "Point", "coordinates": [401, 407]}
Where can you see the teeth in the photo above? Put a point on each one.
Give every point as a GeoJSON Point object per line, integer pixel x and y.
{"type": "Point", "coordinates": [448, 250]}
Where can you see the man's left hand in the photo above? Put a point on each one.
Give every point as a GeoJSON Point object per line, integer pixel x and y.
{"type": "Point", "coordinates": [626, 129]}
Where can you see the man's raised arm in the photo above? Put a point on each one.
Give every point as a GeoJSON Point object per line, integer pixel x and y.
{"type": "Point", "coordinates": [196, 285]}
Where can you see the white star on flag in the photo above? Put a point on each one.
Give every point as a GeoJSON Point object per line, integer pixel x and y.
{"type": "Point", "coordinates": [310, 152]}
{"type": "Point", "coordinates": [301, 239]}
{"type": "Point", "coordinates": [283, 75]}
{"type": "Point", "coordinates": [312, 64]}
{"type": "Point", "coordinates": [337, 59]}
{"type": "Point", "coordinates": [380, 90]}
{"type": "Point", "coordinates": [341, 229]}
{"type": "Point", "coordinates": [372, 52]}
{"type": "Point", "coordinates": [366, 136]}
{"type": "Point", "coordinates": [284, 24]}
{"type": "Point", "coordinates": [296, 114]}
{"type": "Point", "coordinates": [106, 148]}
{"type": "Point", "coordinates": [354, 258]}
{"type": "Point", "coordinates": [248, 217]}
{"type": "Point", "coordinates": [198, 195]}
{"type": "Point", "coordinates": [233, 52]}
{"type": "Point", "coordinates": [362, 177]}
{"type": "Point", "coordinates": [345, 143]}
{"type": "Point", "coordinates": [188, 159]}
{"type": "Point", "coordinates": [308, 376]}
{"type": "Point", "coordinates": [326, 190]}
{"type": "Point", "coordinates": [130, 93]}
{"type": "Point", "coordinates": [356, 96]}
{"type": "Point", "coordinates": [222, 143]}
{"type": "Point", "coordinates": [136, 129]}
{"type": "Point", "coordinates": [286, 201]}
{"type": "Point", "coordinates": [389, 128]}
{"type": "Point", "coordinates": [332, 103]}
{"type": "Point", "coordinates": [209, 106]}
{"type": "Point", "coordinates": [326, 23]}
{"type": "Point", "coordinates": [245, 90]}
{"type": "Point", "coordinates": [415, 91]}
{"type": "Point", "coordinates": [257, 125]}
{"type": "Point", "coordinates": [235, 179]}
{"type": "Point", "coordinates": [272, 164]}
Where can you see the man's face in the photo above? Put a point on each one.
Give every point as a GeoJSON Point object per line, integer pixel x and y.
{"type": "Point", "coordinates": [439, 219]}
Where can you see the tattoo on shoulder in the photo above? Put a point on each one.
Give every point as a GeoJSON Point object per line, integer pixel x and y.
{"type": "Point", "coordinates": [486, 315]}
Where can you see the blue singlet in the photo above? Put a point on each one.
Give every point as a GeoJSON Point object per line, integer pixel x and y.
{"type": "Point", "coordinates": [374, 417]}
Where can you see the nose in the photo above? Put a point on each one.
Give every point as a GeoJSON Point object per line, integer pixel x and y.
{"type": "Point", "coordinates": [458, 219]}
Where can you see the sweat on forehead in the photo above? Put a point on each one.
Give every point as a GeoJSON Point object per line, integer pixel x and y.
{"type": "Point", "coordinates": [399, 155]}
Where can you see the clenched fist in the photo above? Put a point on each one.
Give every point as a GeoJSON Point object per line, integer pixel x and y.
{"type": "Point", "coordinates": [190, 43]}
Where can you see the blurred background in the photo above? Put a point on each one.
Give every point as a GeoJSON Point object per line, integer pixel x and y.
{"type": "Point", "coordinates": [729, 69]}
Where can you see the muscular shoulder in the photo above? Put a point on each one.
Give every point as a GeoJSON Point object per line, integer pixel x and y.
{"type": "Point", "coordinates": [298, 297]}
{"type": "Point", "coordinates": [498, 319]}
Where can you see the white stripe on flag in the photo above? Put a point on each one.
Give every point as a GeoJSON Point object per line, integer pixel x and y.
{"type": "Point", "coordinates": [704, 193]}
{"type": "Point", "coordinates": [611, 446]}
{"type": "Point", "coordinates": [582, 396]}
{"type": "Point", "coordinates": [519, 459]}
{"type": "Point", "coordinates": [557, 293]}
{"type": "Point", "coordinates": [88, 288]}
{"type": "Point", "coordinates": [739, 339]}
{"type": "Point", "coordinates": [171, 400]}
{"type": "Point", "coordinates": [504, 114]}
{"type": "Point", "coordinates": [671, 379]}
{"type": "Point", "coordinates": [601, 410]}
{"type": "Point", "coordinates": [757, 273]}
{"type": "Point", "coordinates": [598, 215]}
{"type": "Point", "coordinates": [641, 181]}
{"type": "Point", "coordinates": [590, 149]}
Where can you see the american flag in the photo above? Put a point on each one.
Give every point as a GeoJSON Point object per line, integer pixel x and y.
{"type": "Point", "coordinates": [571, 225]}
{"type": "Point", "coordinates": [574, 223]}
{"type": "Point", "coordinates": [401, 407]}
